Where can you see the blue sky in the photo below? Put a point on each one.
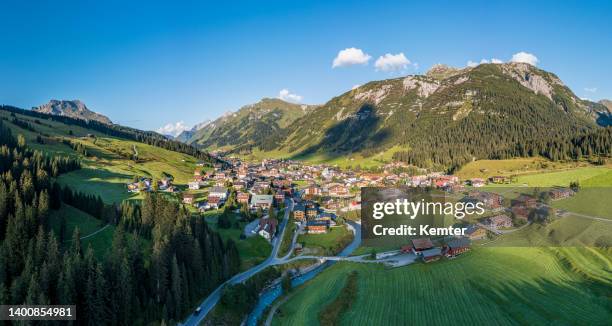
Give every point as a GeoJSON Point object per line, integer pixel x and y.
{"type": "Point", "coordinates": [151, 63]}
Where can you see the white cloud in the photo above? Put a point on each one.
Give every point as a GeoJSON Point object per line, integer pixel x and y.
{"type": "Point", "coordinates": [351, 56]}
{"type": "Point", "coordinates": [173, 129]}
{"type": "Point", "coordinates": [471, 63]}
{"type": "Point", "coordinates": [590, 89]}
{"type": "Point", "coordinates": [285, 95]}
{"type": "Point", "coordinates": [392, 62]}
{"type": "Point", "coordinates": [525, 58]}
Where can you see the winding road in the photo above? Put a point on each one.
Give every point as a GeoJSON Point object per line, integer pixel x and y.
{"type": "Point", "coordinates": [214, 297]}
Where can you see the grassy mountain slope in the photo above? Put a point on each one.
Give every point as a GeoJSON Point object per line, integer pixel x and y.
{"type": "Point", "coordinates": [447, 117]}
{"type": "Point", "coordinates": [262, 124]}
{"type": "Point", "coordinates": [109, 163]}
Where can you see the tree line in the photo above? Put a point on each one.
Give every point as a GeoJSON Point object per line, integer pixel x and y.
{"type": "Point", "coordinates": [161, 262]}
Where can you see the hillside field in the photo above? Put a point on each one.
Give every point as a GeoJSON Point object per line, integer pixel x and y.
{"type": "Point", "coordinates": [503, 286]}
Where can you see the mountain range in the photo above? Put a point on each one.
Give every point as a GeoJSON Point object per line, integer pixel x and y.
{"type": "Point", "coordinates": [263, 124]}
{"type": "Point", "coordinates": [444, 117]}
{"type": "Point", "coordinates": [74, 109]}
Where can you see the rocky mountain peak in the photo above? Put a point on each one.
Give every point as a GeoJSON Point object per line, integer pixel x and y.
{"type": "Point", "coordinates": [73, 108]}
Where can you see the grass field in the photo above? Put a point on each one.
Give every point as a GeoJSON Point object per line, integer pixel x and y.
{"type": "Point", "coordinates": [342, 161]}
{"type": "Point", "coordinates": [287, 238]}
{"type": "Point", "coordinates": [505, 282]}
{"type": "Point", "coordinates": [502, 286]}
{"type": "Point", "coordinates": [109, 172]}
{"type": "Point", "coordinates": [585, 175]}
{"type": "Point", "coordinates": [513, 167]}
{"type": "Point", "coordinates": [329, 243]}
{"type": "Point", "coordinates": [253, 250]}
{"type": "Point", "coordinates": [88, 226]}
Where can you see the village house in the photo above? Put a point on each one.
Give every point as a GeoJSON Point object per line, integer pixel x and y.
{"type": "Point", "coordinates": [267, 228]}
{"type": "Point", "coordinates": [239, 185]}
{"type": "Point", "coordinates": [312, 190]}
{"type": "Point", "coordinates": [520, 212]}
{"type": "Point", "coordinates": [143, 184]}
{"type": "Point", "coordinates": [311, 212]}
{"type": "Point", "coordinates": [215, 202]}
{"type": "Point", "coordinates": [242, 197]}
{"type": "Point", "coordinates": [317, 227]}
{"type": "Point", "coordinates": [188, 198]}
{"type": "Point", "coordinates": [498, 221]}
{"type": "Point", "coordinates": [220, 192]}
{"type": "Point", "coordinates": [525, 201]}
{"type": "Point", "coordinates": [279, 197]}
{"type": "Point", "coordinates": [261, 201]}
{"type": "Point", "coordinates": [499, 179]}
{"type": "Point", "coordinates": [338, 190]}
{"type": "Point", "coordinates": [561, 193]}
{"type": "Point", "coordinates": [194, 185]}
{"type": "Point", "coordinates": [491, 200]}
{"type": "Point", "coordinates": [474, 232]}
{"type": "Point", "coordinates": [164, 183]}
{"type": "Point", "coordinates": [477, 182]}
{"type": "Point", "coordinates": [299, 213]}
{"type": "Point", "coordinates": [457, 246]}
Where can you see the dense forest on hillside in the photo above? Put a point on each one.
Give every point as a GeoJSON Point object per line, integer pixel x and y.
{"type": "Point", "coordinates": [147, 137]}
{"type": "Point", "coordinates": [125, 287]}
{"type": "Point", "coordinates": [440, 120]}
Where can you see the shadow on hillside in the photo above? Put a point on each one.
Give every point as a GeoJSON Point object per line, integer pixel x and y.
{"type": "Point", "coordinates": [582, 301]}
{"type": "Point", "coordinates": [109, 185]}
{"type": "Point", "coordinates": [604, 119]}
{"type": "Point", "coordinates": [356, 133]}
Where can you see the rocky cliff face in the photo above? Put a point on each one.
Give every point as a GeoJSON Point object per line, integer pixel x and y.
{"type": "Point", "coordinates": [73, 109]}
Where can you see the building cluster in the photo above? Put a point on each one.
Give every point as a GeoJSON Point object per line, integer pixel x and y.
{"type": "Point", "coordinates": [425, 249]}
{"type": "Point", "coordinates": [315, 219]}
{"type": "Point", "coordinates": [145, 184]}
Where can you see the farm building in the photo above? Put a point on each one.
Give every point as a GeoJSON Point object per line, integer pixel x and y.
{"type": "Point", "coordinates": [432, 254]}
{"type": "Point", "coordinates": [419, 245]}
{"type": "Point", "coordinates": [457, 246]}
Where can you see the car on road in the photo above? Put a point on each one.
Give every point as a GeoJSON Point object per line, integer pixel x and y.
{"type": "Point", "coordinates": [197, 311]}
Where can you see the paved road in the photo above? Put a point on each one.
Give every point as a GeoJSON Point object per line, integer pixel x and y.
{"type": "Point", "coordinates": [212, 299]}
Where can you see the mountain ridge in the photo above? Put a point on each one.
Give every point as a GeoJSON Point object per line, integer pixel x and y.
{"type": "Point", "coordinates": [438, 118]}
{"type": "Point", "coordinates": [71, 108]}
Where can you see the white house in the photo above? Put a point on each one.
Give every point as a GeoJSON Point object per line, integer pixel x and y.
{"type": "Point", "coordinates": [220, 192]}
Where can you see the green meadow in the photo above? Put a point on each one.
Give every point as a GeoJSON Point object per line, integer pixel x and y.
{"type": "Point", "coordinates": [253, 250]}
{"type": "Point", "coordinates": [556, 273]}
{"type": "Point", "coordinates": [502, 286]}
{"type": "Point", "coordinates": [329, 243]}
